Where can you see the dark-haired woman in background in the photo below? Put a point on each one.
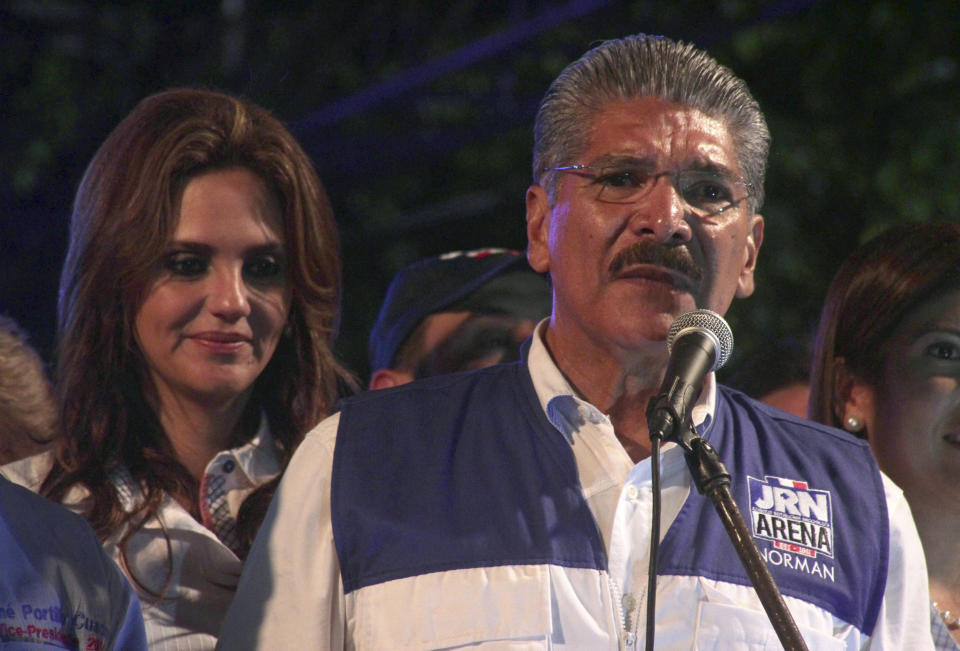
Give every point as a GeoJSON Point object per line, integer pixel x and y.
{"type": "Point", "coordinates": [198, 304]}
{"type": "Point", "coordinates": [886, 366]}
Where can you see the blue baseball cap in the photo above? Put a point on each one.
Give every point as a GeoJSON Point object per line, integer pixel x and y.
{"type": "Point", "coordinates": [486, 281]}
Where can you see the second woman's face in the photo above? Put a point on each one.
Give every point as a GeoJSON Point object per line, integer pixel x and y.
{"type": "Point", "coordinates": [220, 298]}
{"type": "Point", "coordinates": [915, 430]}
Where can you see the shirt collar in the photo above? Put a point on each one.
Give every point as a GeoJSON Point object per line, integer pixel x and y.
{"type": "Point", "coordinates": [257, 460]}
{"type": "Point", "coordinates": [567, 411]}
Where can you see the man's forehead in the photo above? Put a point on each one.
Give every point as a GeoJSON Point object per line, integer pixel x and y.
{"type": "Point", "coordinates": [653, 131]}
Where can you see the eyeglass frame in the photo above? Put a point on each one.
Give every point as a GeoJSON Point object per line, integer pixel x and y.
{"type": "Point", "coordinates": [654, 177]}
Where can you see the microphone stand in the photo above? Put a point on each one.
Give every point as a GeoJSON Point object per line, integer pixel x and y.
{"type": "Point", "coordinates": [713, 481]}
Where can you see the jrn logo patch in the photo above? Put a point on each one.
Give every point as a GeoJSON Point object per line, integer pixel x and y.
{"type": "Point", "coordinates": [795, 517]}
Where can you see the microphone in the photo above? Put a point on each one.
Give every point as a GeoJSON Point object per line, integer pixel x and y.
{"type": "Point", "coordinates": [699, 342]}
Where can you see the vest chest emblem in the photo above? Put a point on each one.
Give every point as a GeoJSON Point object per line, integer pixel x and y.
{"type": "Point", "coordinates": [796, 524]}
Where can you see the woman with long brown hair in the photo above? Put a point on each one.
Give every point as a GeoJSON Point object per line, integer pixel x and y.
{"type": "Point", "coordinates": [198, 304]}
{"type": "Point", "coordinates": [886, 367]}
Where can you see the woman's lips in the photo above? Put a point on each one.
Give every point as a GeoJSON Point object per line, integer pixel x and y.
{"type": "Point", "coordinates": [223, 342]}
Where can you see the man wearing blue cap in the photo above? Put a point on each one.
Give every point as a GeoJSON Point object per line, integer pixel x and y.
{"type": "Point", "coordinates": [454, 312]}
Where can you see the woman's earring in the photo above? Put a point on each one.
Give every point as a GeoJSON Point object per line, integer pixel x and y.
{"type": "Point", "coordinates": [852, 424]}
{"type": "Point", "coordinates": [288, 330]}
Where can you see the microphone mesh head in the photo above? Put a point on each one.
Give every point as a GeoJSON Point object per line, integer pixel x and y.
{"type": "Point", "coordinates": [705, 320]}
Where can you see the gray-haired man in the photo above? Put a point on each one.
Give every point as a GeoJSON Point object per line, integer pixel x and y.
{"type": "Point", "coordinates": [510, 507]}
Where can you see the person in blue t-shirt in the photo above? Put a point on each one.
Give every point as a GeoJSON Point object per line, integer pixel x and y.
{"type": "Point", "coordinates": [58, 588]}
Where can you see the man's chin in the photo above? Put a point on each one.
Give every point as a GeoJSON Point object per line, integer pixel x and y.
{"type": "Point", "coordinates": [658, 315]}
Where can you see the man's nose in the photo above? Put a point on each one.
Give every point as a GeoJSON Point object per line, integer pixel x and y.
{"type": "Point", "coordinates": [662, 213]}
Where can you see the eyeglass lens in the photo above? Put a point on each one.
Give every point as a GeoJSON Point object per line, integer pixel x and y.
{"type": "Point", "coordinates": [703, 190]}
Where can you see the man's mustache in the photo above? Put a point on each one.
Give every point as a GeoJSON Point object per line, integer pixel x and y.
{"type": "Point", "coordinates": [677, 258]}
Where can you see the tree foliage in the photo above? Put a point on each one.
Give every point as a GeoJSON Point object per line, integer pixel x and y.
{"type": "Point", "coordinates": [418, 117]}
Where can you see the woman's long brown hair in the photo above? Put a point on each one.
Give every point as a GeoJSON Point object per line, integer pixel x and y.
{"type": "Point", "coordinates": [124, 214]}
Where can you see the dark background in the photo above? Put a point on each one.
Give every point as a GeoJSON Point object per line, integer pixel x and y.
{"type": "Point", "coordinates": [418, 117]}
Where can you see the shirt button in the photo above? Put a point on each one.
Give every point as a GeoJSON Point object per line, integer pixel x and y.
{"type": "Point", "coordinates": [632, 492]}
{"type": "Point", "coordinates": [228, 466]}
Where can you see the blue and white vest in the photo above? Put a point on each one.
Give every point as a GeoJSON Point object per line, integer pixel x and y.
{"type": "Point", "coordinates": [465, 471]}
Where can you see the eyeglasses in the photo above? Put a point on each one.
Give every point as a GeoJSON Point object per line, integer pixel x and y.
{"type": "Point", "coordinates": [707, 192]}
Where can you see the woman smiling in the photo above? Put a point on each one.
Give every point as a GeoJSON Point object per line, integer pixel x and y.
{"type": "Point", "coordinates": [198, 304]}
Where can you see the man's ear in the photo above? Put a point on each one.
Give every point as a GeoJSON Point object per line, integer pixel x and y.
{"type": "Point", "coordinates": [538, 229]}
{"type": "Point", "coordinates": [388, 377]}
{"type": "Point", "coordinates": [750, 250]}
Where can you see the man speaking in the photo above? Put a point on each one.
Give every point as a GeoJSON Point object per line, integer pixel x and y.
{"type": "Point", "coordinates": [510, 507]}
